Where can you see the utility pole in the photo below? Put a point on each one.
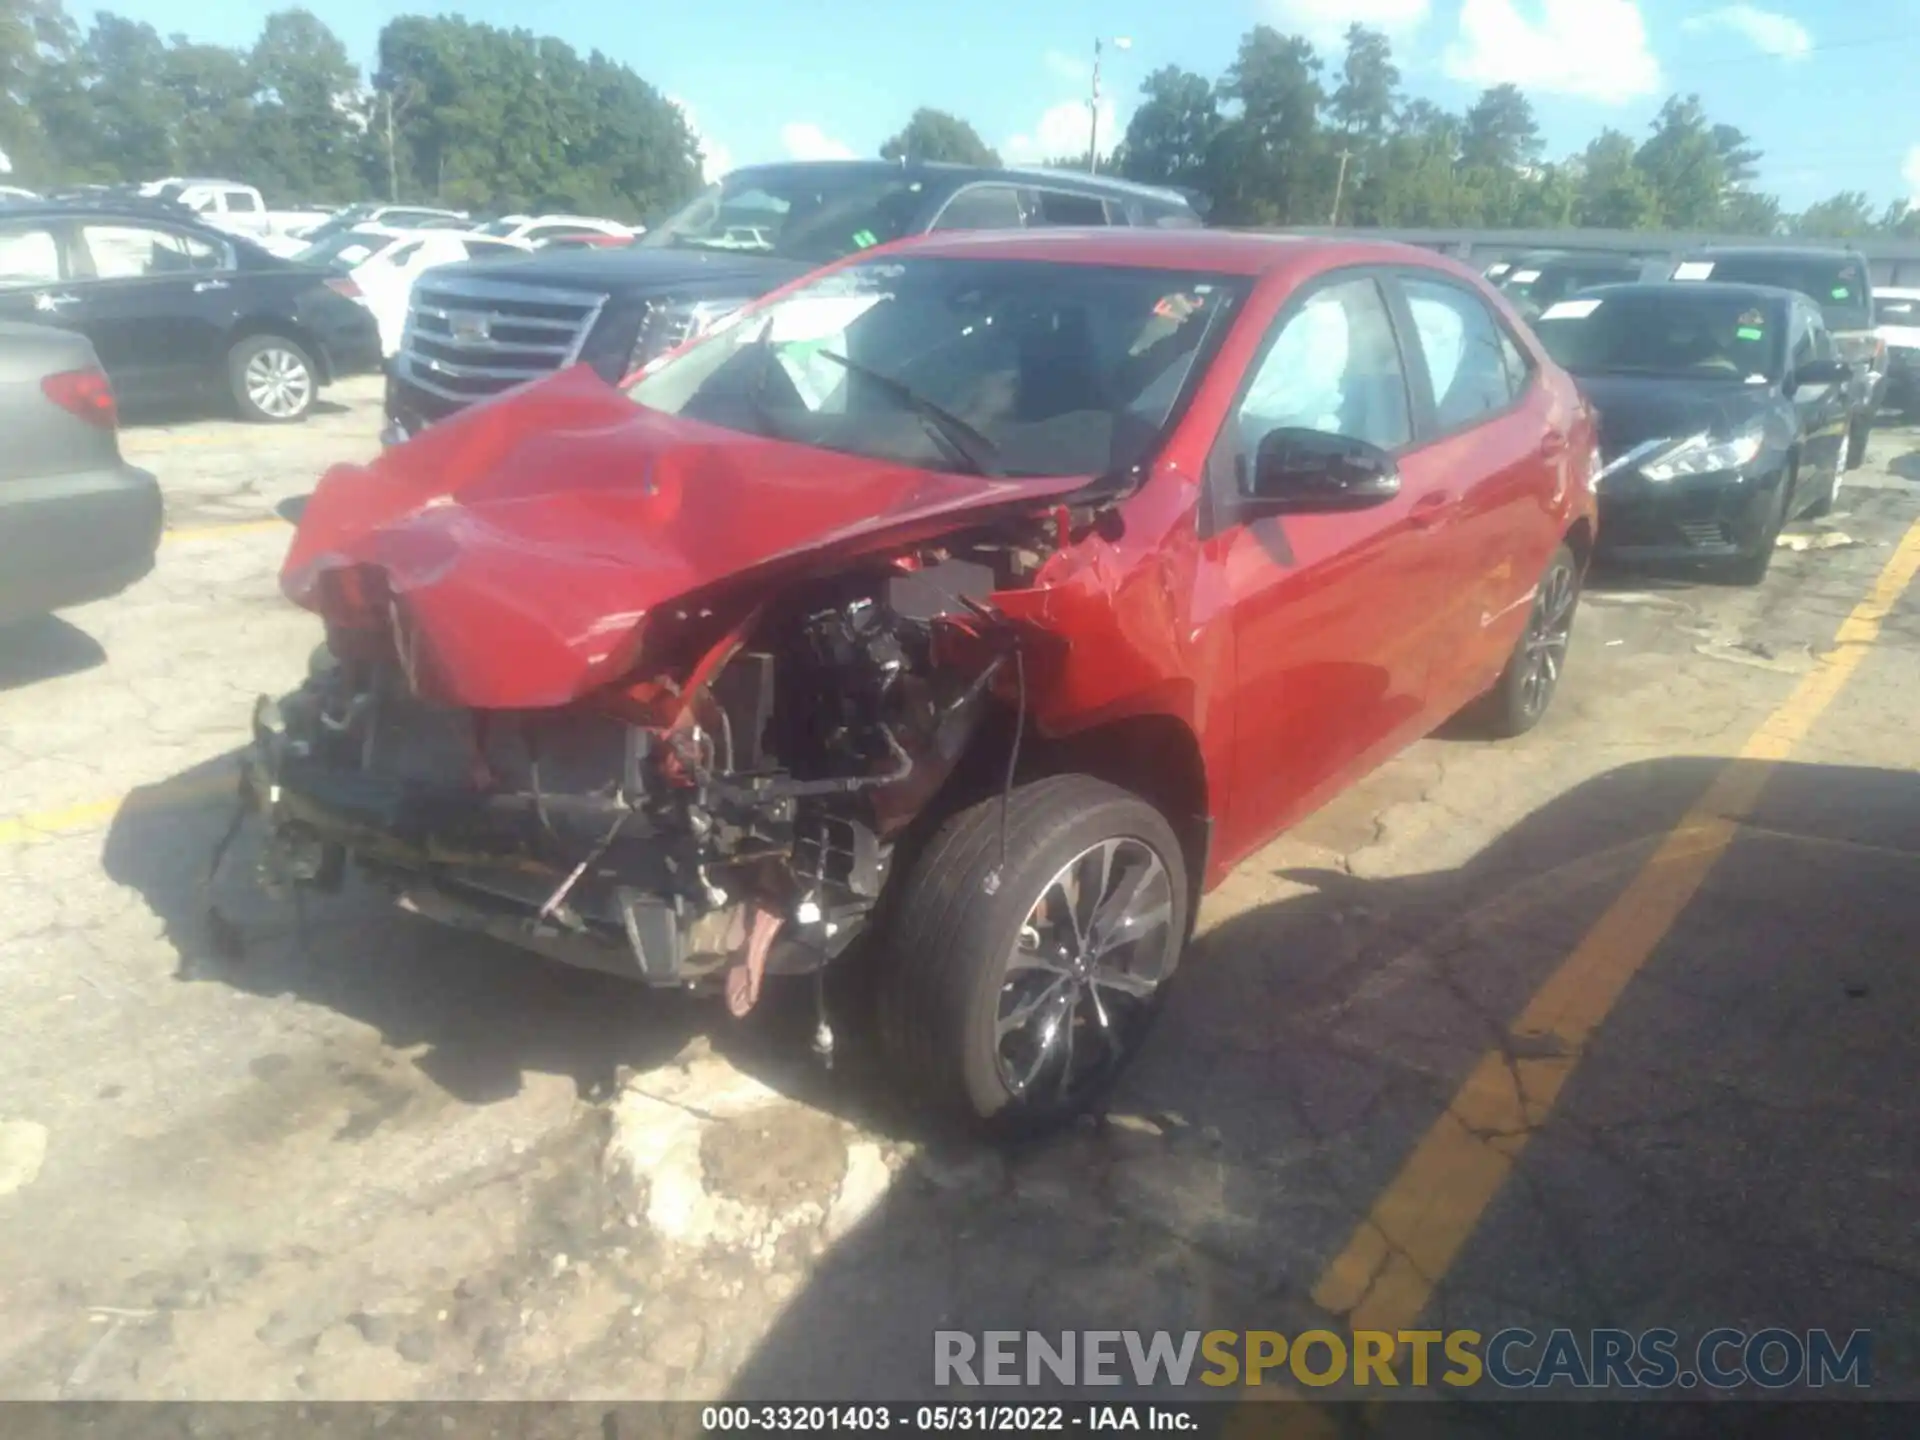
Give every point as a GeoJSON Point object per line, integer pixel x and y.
{"type": "Point", "coordinates": [1340, 186]}
{"type": "Point", "coordinates": [1120, 42]}
{"type": "Point", "coordinates": [393, 163]}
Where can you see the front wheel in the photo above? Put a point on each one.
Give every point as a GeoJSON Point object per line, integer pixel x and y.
{"type": "Point", "coordinates": [1017, 990]}
{"type": "Point", "coordinates": [273, 379]}
{"type": "Point", "coordinates": [1858, 434]}
{"type": "Point", "coordinates": [1520, 697]}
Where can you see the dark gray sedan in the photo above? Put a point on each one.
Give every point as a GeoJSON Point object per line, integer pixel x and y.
{"type": "Point", "coordinates": [77, 523]}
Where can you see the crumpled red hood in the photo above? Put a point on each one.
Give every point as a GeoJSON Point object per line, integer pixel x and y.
{"type": "Point", "coordinates": [515, 551]}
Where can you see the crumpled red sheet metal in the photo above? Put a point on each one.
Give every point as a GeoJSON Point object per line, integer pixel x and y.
{"type": "Point", "coordinates": [515, 552]}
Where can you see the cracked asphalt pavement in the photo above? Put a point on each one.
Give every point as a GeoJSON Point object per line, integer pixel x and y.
{"type": "Point", "coordinates": [1612, 1026]}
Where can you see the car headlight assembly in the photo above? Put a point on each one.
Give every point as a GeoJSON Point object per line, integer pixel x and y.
{"type": "Point", "coordinates": [1703, 455]}
{"type": "Point", "coordinates": [670, 324]}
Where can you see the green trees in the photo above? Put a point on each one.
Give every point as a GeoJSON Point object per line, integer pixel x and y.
{"type": "Point", "coordinates": [935, 135]}
{"type": "Point", "coordinates": [1280, 137]}
{"type": "Point", "coordinates": [457, 112]}
{"type": "Point", "coordinates": [484, 118]}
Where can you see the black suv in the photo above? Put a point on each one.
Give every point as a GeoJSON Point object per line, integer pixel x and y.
{"type": "Point", "coordinates": [476, 329]}
{"type": "Point", "coordinates": [1835, 279]}
{"type": "Point", "coordinates": [176, 309]}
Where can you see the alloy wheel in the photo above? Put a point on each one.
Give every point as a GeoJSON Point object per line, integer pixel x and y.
{"type": "Point", "coordinates": [1093, 951]}
{"type": "Point", "coordinates": [1549, 632]}
{"type": "Point", "coordinates": [278, 382]}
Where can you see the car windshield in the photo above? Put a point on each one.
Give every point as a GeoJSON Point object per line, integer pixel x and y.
{"type": "Point", "coordinates": [1665, 332]}
{"type": "Point", "coordinates": [802, 212]}
{"type": "Point", "coordinates": [1897, 310]}
{"type": "Point", "coordinates": [1533, 287]}
{"type": "Point", "coordinates": [342, 250]}
{"type": "Point", "coordinates": [1837, 284]}
{"type": "Point", "coordinates": [1011, 367]}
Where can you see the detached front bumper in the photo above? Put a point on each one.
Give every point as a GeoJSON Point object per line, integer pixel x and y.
{"type": "Point", "coordinates": [1720, 516]}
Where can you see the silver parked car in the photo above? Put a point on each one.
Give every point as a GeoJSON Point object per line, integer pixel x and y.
{"type": "Point", "coordinates": [77, 523]}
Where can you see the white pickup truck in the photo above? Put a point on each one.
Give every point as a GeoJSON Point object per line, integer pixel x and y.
{"type": "Point", "coordinates": [237, 208]}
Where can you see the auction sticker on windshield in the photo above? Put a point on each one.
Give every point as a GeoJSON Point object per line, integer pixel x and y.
{"type": "Point", "coordinates": [1571, 310]}
{"type": "Point", "coordinates": [1694, 270]}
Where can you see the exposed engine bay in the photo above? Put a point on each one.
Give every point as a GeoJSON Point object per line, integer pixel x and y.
{"type": "Point", "coordinates": [728, 811]}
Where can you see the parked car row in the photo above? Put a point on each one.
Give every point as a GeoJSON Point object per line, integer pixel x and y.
{"type": "Point", "coordinates": [1771, 362]}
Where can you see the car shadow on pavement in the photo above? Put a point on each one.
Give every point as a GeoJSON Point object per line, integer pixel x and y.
{"type": "Point", "coordinates": [1906, 466]}
{"type": "Point", "coordinates": [45, 648]}
{"type": "Point", "coordinates": [1735, 1147]}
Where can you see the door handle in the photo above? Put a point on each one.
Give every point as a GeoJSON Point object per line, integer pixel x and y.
{"type": "Point", "coordinates": [54, 302]}
{"type": "Point", "coordinates": [1429, 510]}
{"type": "Point", "coordinates": [200, 287]}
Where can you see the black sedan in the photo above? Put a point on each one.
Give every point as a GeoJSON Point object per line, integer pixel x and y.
{"type": "Point", "coordinates": [176, 309]}
{"type": "Point", "coordinates": [1723, 415]}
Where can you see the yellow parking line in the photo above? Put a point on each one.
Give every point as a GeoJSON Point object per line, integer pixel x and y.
{"type": "Point", "coordinates": [220, 532]}
{"type": "Point", "coordinates": [46, 824]}
{"type": "Point", "coordinates": [1385, 1276]}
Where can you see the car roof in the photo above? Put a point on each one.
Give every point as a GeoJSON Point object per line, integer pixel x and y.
{"type": "Point", "coordinates": [1896, 292]}
{"type": "Point", "coordinates": [960, 174]}
{"type": "Point", "coordinates": [1227, 252]}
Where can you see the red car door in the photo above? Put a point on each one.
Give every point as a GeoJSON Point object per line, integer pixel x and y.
{"type": "Point", "coordinates": [1489, 437]}
{"type": "Point", "coordinates": [1327, 608]}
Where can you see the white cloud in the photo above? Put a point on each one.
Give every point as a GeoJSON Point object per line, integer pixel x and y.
{"type": "Point", "coordinates": [715, 158]}
{"type": "Point", "coordinates": [804, 140]}
{"type": "Point", "coordinates": [1768, 30]}
{"type": "Point", "coordinates": [1325, 22]}
{"type": "Point", "coordinates": [1594, 49]}
{"type": "Point", "coordinates": [1911, 172]}
{"type": "Point", "coordinates": [1062, 131]}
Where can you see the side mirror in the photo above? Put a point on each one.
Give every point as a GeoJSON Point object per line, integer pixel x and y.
{"type": "Point", "coordinates": [1308, 472]}
{"type": "Point", "coordinates": [1819, 372]}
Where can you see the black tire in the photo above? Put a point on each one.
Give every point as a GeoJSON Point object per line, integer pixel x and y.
{"type": "Point", "coordinates": [949, 978]}
{"type": "Point", "coordinates": [1824, 505]}
{"type": "Point", "coordinates": [1752, 568]}
{"type": "Point", "coordinates": [1520, 698]}
{"type": "Point", "coordinates": [273, 379]}
{"type": "Point", "coordinates": [1859, 433]}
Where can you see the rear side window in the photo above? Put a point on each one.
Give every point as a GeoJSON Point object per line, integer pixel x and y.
{"type": "Point", "coordinates": [242, 202]}
{"type": "Point", "coordinates": [1465, 350]}
{"type": "Point", "coordinates": [983, 207]}
{"type": "Point", "coordinates": [28, 256]}
{"type": "Point", "coordinates": [136, 252]}
{"type": "Point", "coordinates": [1055, 207]}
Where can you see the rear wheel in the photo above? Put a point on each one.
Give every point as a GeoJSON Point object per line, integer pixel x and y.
{"type": "Point", "coordinates": [1016, 993]}
{"type": "Point", "coordinates": [273, 379]}
{"type": "Point", "coordinates": [1519, 699]}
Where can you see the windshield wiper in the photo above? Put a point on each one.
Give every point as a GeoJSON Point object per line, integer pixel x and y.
{"type": "Point", "coordinates": [966, 443]}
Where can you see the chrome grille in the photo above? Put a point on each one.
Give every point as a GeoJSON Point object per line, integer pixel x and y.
{"type": "Point", "coordinates": [467, 339]}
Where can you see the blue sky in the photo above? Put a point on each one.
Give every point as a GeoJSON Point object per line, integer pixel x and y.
{"type": "Point", "coordinates": [1824, 88]}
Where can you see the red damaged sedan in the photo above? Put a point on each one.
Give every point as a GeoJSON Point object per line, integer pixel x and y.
{"type": "Point", "coordinates": [972, 605]}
